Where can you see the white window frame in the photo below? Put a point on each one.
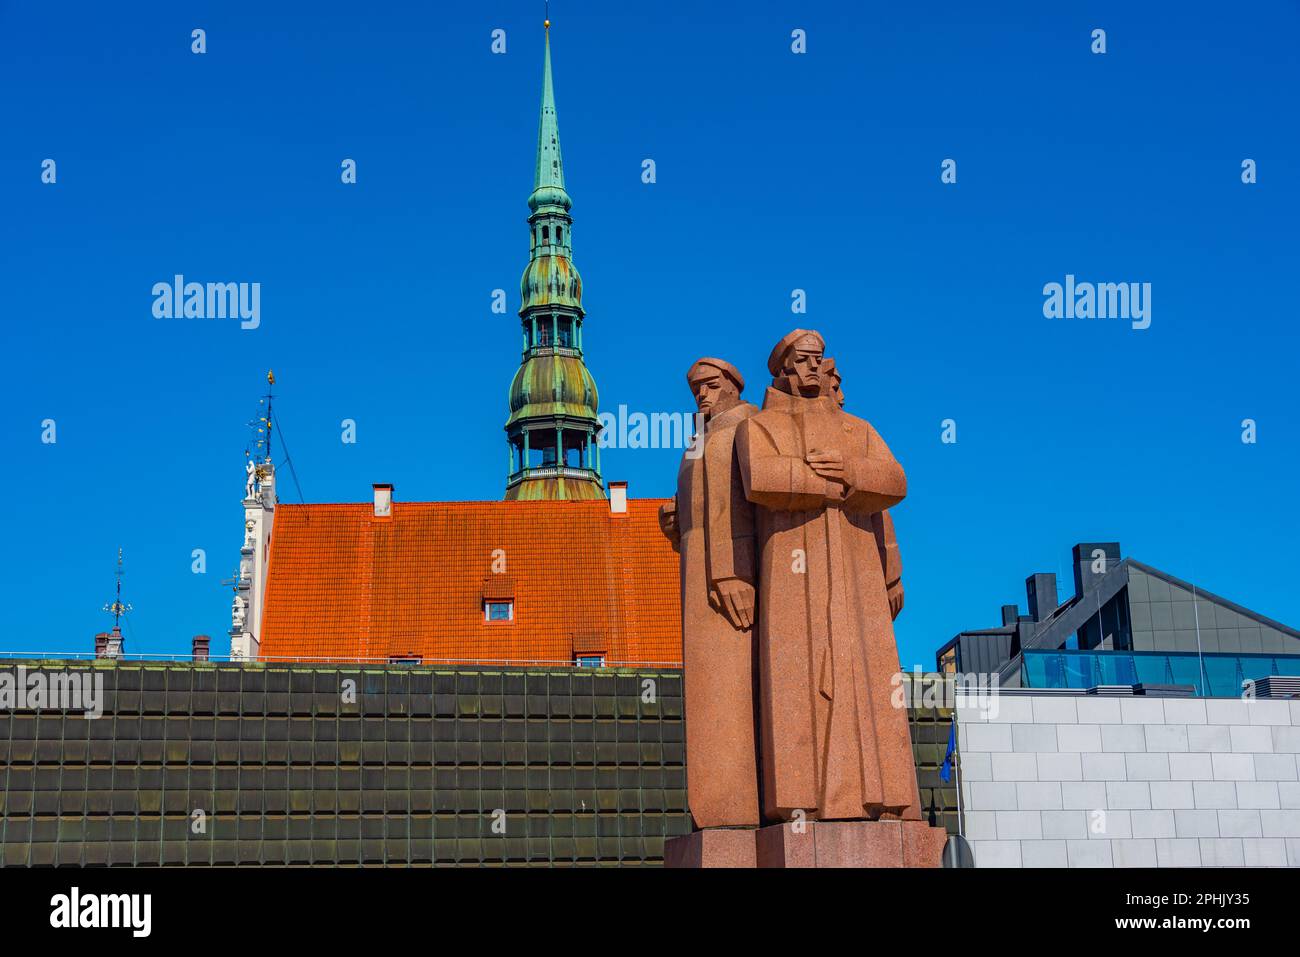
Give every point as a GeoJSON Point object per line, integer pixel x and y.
{"type": "Point", "coordinates": [487, 610]}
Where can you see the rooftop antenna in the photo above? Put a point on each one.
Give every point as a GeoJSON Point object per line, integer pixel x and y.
{"type": "Point", "coordinates": [116, 608]}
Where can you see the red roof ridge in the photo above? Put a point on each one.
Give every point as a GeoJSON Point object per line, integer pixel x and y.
{"type": "Point", "coordinates": [522, 503]}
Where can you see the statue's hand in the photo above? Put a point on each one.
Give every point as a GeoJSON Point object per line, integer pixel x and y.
{"type": "Point", "coordinates": [737, 600]}
{"type": "Point", "coordinates": [895, 599]}
{"type": "Point", "coordinates": [829, 464]}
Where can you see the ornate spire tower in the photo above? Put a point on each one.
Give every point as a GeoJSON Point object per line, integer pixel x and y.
{"type": "Point", "coordinates": [553, 426]}
{"type": "Point", "coordinates": [259, 504]}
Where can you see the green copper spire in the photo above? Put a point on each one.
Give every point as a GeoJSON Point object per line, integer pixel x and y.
{"type": "Point", "coordinates": [553, 424]}
{"type": "Point", "coordinates": [550, 164]}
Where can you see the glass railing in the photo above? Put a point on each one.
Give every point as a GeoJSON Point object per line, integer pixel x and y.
{"type": "Point", "coordinates": [1214, 675]}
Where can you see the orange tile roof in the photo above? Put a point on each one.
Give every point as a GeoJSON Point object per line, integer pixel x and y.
{"type": "Point", "coordinates": [342, 583]}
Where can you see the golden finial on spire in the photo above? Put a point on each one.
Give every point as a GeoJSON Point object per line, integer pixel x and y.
{"type": "Point", "coordinates": [270, 377]}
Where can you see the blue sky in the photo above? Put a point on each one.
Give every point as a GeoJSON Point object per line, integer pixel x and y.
{"type": "Point", "coordinates": [775, 171]}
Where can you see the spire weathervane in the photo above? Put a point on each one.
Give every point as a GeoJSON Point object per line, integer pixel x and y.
{"type": "Point", "coordinates": [260, 453]}
{"type": "Point", "coordinates": [266, 419]}
{"type": "Point", "coordinates": [116, 608]}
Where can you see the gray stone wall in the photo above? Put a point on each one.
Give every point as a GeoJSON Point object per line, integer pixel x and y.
{"type": "Point", "coordinates": [1060, 781]}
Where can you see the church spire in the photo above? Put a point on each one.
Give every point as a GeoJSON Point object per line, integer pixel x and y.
{"type": "Point", "coordinates": [548, 176]}
{"type": "Point", "coordinates": [553, 422]}
{"type": "Point", "coordinates": [550, 164]}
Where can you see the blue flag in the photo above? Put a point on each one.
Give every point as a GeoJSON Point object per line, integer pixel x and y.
{"type": "Point", "coordinates": [945, 770]}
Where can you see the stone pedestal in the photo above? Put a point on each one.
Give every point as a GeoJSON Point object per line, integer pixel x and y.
{"type": "Point", "coordinates": [851, 844]}
{"type": "Point", "coordinates": [814, 844]}
{"type": "Point", "coordinates": [712, 847]}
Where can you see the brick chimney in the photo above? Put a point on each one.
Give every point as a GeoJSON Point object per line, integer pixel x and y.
{"type": "Point", "coordinates": [618, 498]}
{"type": "Point", "coordinates": [109, 644]}
{"type": "Point", "coordinates": [199, 649]}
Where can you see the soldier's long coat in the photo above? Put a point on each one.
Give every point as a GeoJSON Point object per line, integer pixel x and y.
{"type": "Point", "coordinates": [716, 524]}
{"type": "Point", "coordinates": [832, 743]}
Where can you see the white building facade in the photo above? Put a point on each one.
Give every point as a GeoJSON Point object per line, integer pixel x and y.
{"type": "Point", "coordinates": [1054, 780]}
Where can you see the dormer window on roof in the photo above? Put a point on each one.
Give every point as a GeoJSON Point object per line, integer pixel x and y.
{"type": "Point", "coordinates": [589, 649]}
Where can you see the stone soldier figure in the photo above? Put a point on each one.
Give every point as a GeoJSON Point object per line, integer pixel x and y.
{"type": "Point", "coordinates": [832, 745]}
{"type": "Point", "coordinates": [881, 523]}
{"type": "Point", "coordinates": [713, 524]}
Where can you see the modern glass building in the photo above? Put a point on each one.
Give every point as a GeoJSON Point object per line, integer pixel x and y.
{"type": "Point", "coordinates": [1127, 625]}
{"type": "Point", "coordinates": [1213, 675]}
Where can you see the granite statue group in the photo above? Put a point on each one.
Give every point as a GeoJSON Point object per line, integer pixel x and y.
{"type": "Point", "coordinates": [791, 579]}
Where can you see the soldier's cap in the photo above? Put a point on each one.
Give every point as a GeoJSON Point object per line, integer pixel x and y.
{"type": "Point", "coordinates": [722, 365]}
{"type": "Point", "coordinates": [788, 342]}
